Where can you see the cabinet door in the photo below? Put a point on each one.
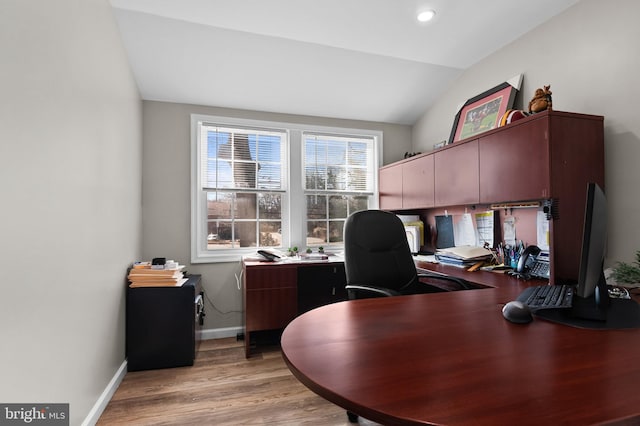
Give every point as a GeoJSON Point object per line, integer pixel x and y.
{"type": "Point", "coordinates": [514, 163]}
{"type": "Point", "coordinates": [417, 183]}
{"type": "Point", "coordinates": [320, 285]}
{"type": "Point", "coordinates": [456, 173]}
{"type": "Point", "coordinates": [270, 309]}
{"type": "Point", "coordinates": [270, 297]}
{"type": "Point", "coordinates": [390, 187]}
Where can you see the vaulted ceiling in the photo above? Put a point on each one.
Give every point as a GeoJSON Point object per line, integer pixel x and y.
{"type": "Point", "coordinates": [354, 59]}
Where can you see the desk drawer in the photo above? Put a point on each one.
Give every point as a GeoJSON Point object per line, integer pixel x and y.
{"type": "Point", "coordinates": [270, 277]}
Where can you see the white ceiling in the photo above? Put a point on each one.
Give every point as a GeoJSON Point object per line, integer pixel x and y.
{"type": "Point", "coordinates": [353, 59]}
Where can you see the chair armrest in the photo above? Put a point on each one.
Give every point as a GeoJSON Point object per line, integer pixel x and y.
{"type": "Point", "coordinates": [460, 281]}
{"type": "Point", "coordinates": [372, 289]}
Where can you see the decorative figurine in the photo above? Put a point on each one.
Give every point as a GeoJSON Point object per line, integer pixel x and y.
{"type": "Point", "coordinates": [541, 100]}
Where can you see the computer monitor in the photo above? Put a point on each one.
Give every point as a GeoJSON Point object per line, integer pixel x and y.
{"type": "Point", "coordinates": [591, 296]}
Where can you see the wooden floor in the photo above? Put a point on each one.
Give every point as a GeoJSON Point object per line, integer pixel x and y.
{"type": "Point", "coordinates": [221, 388]}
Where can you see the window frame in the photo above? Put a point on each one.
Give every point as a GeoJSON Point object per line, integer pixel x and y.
{"type": "Point", "coordinates": [294, 200]}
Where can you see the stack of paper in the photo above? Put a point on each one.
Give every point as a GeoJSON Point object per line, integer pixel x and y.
{"type": "Point", "coordinates": [142, 275]}
{"type": "Point", "coordinates": [463, 256]}
{"type": "Point", "coordinates": [313, 256]}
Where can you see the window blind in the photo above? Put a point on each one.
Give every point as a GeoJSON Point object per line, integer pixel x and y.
{"type": "Point", "coordinates": [234, 158]}
{"type": "Point", "coordinates": [338, 163]}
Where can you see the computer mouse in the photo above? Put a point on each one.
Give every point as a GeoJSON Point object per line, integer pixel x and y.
{"type": "Point", "coordinates": [517, 312]}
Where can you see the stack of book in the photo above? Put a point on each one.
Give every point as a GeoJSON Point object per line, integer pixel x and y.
{"type": "Point", "coordinates": [142, 274]}
{"type": "Point", "coordinates": [464, 256]}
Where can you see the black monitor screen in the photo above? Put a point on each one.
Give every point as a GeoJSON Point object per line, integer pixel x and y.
{"type": "Point", "coordinates": [594, 241]}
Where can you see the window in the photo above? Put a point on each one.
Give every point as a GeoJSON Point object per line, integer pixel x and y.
{"type": "Point", "coordinates": [265, 184]}
{"type": "Point", "coordinates": [339, 180]}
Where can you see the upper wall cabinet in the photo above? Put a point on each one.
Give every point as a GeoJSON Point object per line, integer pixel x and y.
{"type": "Point", "coordinates": [548, 155]}
{"type": "Point", "coordinates": [456, 175]}
{"type": "Point", "coordinates": [390, 187]}
{"type": "Point", "coordinates": [514, 164]}
{"type": "Point", "coordinates": [551, 155]}
{"type": "Point", "coordinates": [408, 184]}
{"type": "Point", "coordinates": [417, 183]}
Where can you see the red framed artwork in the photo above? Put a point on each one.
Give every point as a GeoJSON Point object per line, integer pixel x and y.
{"type": "Point", "coordinates": [482, 112]}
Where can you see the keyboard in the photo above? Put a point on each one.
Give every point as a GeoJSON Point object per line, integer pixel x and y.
{"type": "Point", "coordinates": [547, 296]}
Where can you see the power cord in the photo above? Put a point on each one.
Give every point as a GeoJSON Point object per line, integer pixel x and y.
{"type": "Point", "coordinates": [238, 285]}
{"type": "Point", "coordinates": [239, 279]}
{"type": "Point", "coordinates": [215, 308]}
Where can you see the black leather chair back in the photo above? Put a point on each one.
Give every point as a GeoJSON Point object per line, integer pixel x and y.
{"type": "Point", "coordinates": [377, 252]}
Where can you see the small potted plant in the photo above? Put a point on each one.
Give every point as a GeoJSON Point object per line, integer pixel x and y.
{"type": "Point", "coordinates": [309, 250]}
{"type": "Point", "coordinates": [625, 273]}
{"type": "Point", "coordinates": [321, 249]}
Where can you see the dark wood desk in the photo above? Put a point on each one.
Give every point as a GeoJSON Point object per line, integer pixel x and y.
{"type": "Point", "coordinates": [451, 358]}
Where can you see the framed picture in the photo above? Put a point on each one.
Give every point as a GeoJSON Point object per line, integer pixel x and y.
{"type": "Point", "coordinates": [482, 112]}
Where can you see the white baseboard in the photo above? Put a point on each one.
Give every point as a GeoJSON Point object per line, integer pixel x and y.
{"type": "Point", "coordinates": [95, 413]}
{"type": "Point", "coordinates": [102, 402]}
{"type": "Point", "coordinates": [220, 333]}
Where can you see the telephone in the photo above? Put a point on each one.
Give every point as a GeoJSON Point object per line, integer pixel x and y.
{"type": "Point", "coordinates": [534, 262]}
{"type": "Point", "coordinates": [269, 257]}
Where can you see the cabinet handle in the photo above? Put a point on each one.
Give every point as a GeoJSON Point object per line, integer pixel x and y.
{"type": "Point", "coordinates": [199, 302]}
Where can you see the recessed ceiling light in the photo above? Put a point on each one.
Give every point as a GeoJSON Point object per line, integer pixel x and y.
{"type": "Point", "coordinates": [427, 15]}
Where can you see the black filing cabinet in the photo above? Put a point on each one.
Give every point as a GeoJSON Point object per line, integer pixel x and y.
{"type": "Point", "coordinates": [164, 325]}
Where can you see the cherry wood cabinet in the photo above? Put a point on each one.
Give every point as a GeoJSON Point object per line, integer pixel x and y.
{"type": "Point", "coordinates": [270, 298]}
{"type": "Point", "coordinates": [408, 184]}
{"type": "Point", "coordinates": [550, 155]}
{"type": "Point", "coordinates": [275, 293]}
{"type": "Point", "coordinates": [456, 175]}
{"type": "Point", "coordinates": [514, 164]}
{"type": "Point", "coordinates": [547, 157]}
{"type": "Point", "coordinates": [417, 183]}
{"type": "Point", "coordinates": [390, 187]}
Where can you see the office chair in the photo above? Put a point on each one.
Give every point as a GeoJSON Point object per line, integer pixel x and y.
{"type": "Point", "coordinates": [378, 261]}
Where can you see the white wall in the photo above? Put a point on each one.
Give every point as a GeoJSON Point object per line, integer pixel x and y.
{"type": "Point", "coordinates": [166, 192]}
{"type": "Point", "coordinates": [70, 222]}
{"type": "Point", "coordinates": [589, 56]}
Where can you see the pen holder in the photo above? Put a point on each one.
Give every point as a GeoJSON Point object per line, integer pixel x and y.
{"type": "Point", "coordinates": [514, 261]}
